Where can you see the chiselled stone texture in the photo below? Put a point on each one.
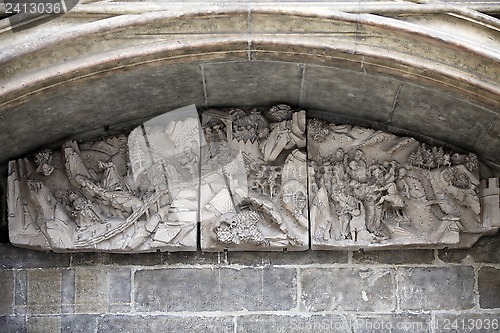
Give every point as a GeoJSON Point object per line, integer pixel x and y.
{"type": "Point", "coordinates": [489, 287]}
{"type": "Point", "coordinates": [331, 289]}
{"type": "Point", "coordinates": [262, 178]}
{"type": "Point", "coordinates": [446, 288]}
{"type": "Point", "coordinates": [224, 289]}
{"type": "Point", "coordinates": [6, 292]}
{"type": "Point", "coordinates": [44, 291]}
{"type": "Point", "coordinates": [484, 251]}
{"type": "Point", "coordinates": [162, 323]}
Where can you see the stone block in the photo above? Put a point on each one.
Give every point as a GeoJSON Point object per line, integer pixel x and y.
{"type": "Point", "coordinates": [473, 322]}
{"type": "Point", "coordinates": [436, 288]}
{"type": "Point", "coordinates": [328, 88]}
{"type": "Point", "coordinates": [79, 324]}
{"type": "Point", "coordinates": [13, 324]}
{"type": "Point", "coordinates": [347, 289]}
{"type": "Point", "coordinates": [21, 291]}
{"type": "Point", "coordinates": [433, 115]}
{"type": "Point", "coordinates": [120, 284]}
{"type": "Point", "coordinates": [138, 259]}
{"type": "Point", "coordinates": [484, 251]}
{"type": "Point", "coordinates": [190, 258]}
{"type": "Point", "coordinates": [44, 291]}
{"type": "Point", "coordinates": [397, 323]}
{"type": "Point", "coordinates": [14, 257]}
{"type": "Point", "coordinates": [91, 290]}
{"type": "Point", "coordinates": [286, 258]}
{"type": "Point", "coordinates": [44, 324]}
{"type": "Point", "coordinates": [68, 291]}
{"type": "Point", "coordinates": [294, 323]}
{"type": "Point", "coordinates": [396, 257]}
{"type": "Point", "coordinates": [489, 287]}
{"type": "Point", "coordinates": [252, 83]}
{"type": "Point", "coordinates": [6, 292]}
{"type": "Point", "coordinates": [223, 289]}
{"type": "Point", "coordinates": [161, 323]}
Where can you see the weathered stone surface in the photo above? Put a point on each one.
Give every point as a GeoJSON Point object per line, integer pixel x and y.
{"type": "Point", "coordinates": [44, 324]}
{"type": "Point", "coordinates": [257, 83]}
{"type": "Point", "coordinates": [294, 323]}
{"type": "Point", "coordinates": [120, 285]}
{"type": "Point", "coordinates": [347, 289]}
{"type": "Point", "coordinates": [484, 251]}
{"type": "Point", "coordinates": [21, 291]}
{"type": "Point", "coordinates": [188, 258]}
{"type": "Point", "coordinates": [374, 190]}
{"type": "Point", "coordinates": [395, 257]}
{"type": "Point", "coordinates": [91, 290]}
{"type": "Point", "coordinates": [6, 292]}
{"type": "Point", "coordinates": [473, 322]}
{"type": "Point", "coordinates": [79, 324]}
{"type": "Point", "coordinates": [404, 322]}
{"type": "Point", "coordinates": [13, 324]}
{"type": "Point", "coordinates": [286, 258]}
{"type": "Point", "coordinates": [436, 288]}
{"type": "Point", "coordinates": [68, 291]}
{"type": "Point", "coordinates": [325, 86]}
{"type": "Point", "coordinates": [161, 323]}
{"type": "Point", "coordinates": [253, 185]}
{"type": "Point", "coordinates": [13, 257]}
{"type": "Point", "coordinates": [44, 291]}
{"type": "Point", "coordinates": [489, 287]}
{"type": "Point", "coordinates": [222, 289]}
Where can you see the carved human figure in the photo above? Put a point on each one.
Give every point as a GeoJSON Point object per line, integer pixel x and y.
{"type": "Point", "coordinates": [44, 162]}
{"type": "Point", "coordinates": [83, 211]}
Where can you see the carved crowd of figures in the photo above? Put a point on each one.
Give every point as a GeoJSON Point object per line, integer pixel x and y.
{"type": "Point", "coordinates": [253, 179]}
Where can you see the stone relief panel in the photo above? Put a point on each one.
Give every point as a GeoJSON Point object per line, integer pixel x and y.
{"type": "Point", "coordinates": [370, 189]}
{"type": "Point", "coordinates": [254, 180]}
{"type": "Point", "coordinates": [122, 194]}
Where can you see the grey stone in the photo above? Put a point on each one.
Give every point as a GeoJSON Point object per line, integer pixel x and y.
{"type": "Point", "coordinates": [395, 257]}
{"type": "Point", "coordinates": [161, 323]}
{"type": "Point", "coordinates": [13, 257]}
{"type": "Point", "coordinates": [347, 289]}
{"type": "Point", "coordinates": [79, 323]}
{"type": "Point", "coordinates": [91, 290]}
{"type": "Point", "coordinates": [190, 258]}
{"type": "Point", "coordinates": [484, 251]}
{"type": "Point", "coordinates": [488, 146]}
{"type": "Point", "coordinates": [434, 113]}
{"type": "Point", "coordinates": [44, 324]}
{"type": "Point", "coordinates": [222, 289]}
{"type": "Point", "coordinates": [20, 291]}
{"type": "Point", "coordinates": [294, 323]}
{"type": "Point", "coordinates": [44, 291]}
{"type": "Point", "coordinates": [436, 288]}
{"type": "Point", "coordinates": [286, 258]}
{"type": "Point", "coordinates": [68, 291]}
{"type": "Point", "coordinates": [489, 287]}
{"type": "Point", "coordinates": [120, 280]}
{"type": "Point", "coordinates": [11, 149]}
{"type": "Point", "coordinates": [371, 97]}
{"type": "Point", "coordinates": [403, 322]}
{"type": "Point", "coordinates": [482, 322]}
{"type": "Point", "coordinates": [6, 292]}
{"type": "Point", "coordinates": [256, 83]}
{"type": "Point", "coordinates": [138, 259]}
{"type": "Point", "coordinates": [13, 324]}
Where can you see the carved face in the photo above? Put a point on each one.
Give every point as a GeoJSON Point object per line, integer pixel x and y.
{"type": "Point", "coordinates": [47, 169]}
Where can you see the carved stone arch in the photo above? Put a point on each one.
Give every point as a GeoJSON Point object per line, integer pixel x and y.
{"type": "Point", "coordinates": [115, 68]}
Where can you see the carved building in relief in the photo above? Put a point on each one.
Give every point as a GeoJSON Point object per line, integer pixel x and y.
{"type": "Point", "coordinates": [258, 179]}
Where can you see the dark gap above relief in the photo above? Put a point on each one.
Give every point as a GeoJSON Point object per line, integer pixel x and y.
{"type": "Point", "coordinates": [254, 179]}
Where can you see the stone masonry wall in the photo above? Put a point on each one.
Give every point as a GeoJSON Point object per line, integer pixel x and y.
{"type": "Point", "coordinates": [312, 291]}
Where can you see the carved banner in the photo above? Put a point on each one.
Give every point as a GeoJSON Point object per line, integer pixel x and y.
{"type": "Point", "coordinates": [259, 179]}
